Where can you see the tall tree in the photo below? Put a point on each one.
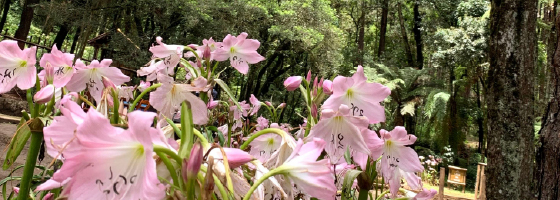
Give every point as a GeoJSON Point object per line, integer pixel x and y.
{"type": "Point", "coordinates": [405, 37]}
{"type": "Point", "coordinates": [25, 21]}
{"type": "Point", "coordinates": [548, 165]}
{"type": "Point", "coordinates": [61, 35]}
{"type": "Point", "coordinates": [383, 28]}
{"type": "Point", "coordinates": [418, 35]}
{"type": "Point", "coordinates": [510, 99]}
{"type": "Point", "coordinates": [6, 9]}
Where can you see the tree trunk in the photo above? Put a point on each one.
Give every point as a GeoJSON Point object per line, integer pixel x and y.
{"type": "Point", "coordinates": [405, 38]}
{"type": "Point", "coordinates": [75, 39]}
{"type": "Point", "coordinates": [6, 8]}
{"type": "Point", "coordinates": [383, 29]}
{"type": "Point", "coordinates": [510, 99]}
{"type": "Point", "coordinates": [548, 157]}
{"type": "Point", "coordinates": [25, 21]}
{"type": "Point", "coordinates": [479, 119]}
{"type": "Point", "coordinates": [418, 36]}
{"type": "Point", "coordinates": [61, 36]}
{"type": "Point", "coordinates": [361, 33]}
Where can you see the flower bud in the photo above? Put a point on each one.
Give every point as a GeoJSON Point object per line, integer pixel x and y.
{"type": "Point", "coordinates": [327, 87]}
{"type": "Point", "coordinates": [212, 104]}
{"type": "Point", "coordinates": [315, 87]}
{"type": "Point", "coordinates": [308, 78]}
{"type": "Point", "coordinates": [235, 157]}
{"type": "Point", "coordinates": [49, 73]}
{"type": "Point", "coordinates": [206, 53]}
{"type": "Point", "coordinates": [192, 166]}
{"type": "Point", "coordinates": [282, 105]}
{"type": "Point", "coordinates": [268, 103]}
{"type": "Point", "coordinates": [292, 82]}
{"type": "Point", "coordinates": [314, 110]}
{"type": "Point", "coordinates": [108, 83]}
{"type": "Point", "coordinates": [44, 95]}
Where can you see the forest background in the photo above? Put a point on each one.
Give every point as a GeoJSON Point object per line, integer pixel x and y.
{"type": "Point", "coordinates": [435, 55]}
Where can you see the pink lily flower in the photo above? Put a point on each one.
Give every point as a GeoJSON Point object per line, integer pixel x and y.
{"type": "Point", "coordinates": [256, 104]}
{"type": "Point", "coordinates": [17, 67]}
{"type": "Point", "coordinates": [240, 51]}
{"type": "Point", "coordinates": [90, 77]}
{"type": "Point", "coordinates": [237, 113]}
{"type": "Point", "coordinates": [125, 92]}
{"type": "Point", "coordinates": [302, 169]}
{"type": "Point", "coordinates": [363, 97]}
{"type": "Point", "coordinates": [374, 144]}
{"type": "Point", "coordinates": [262, 123]}
{"type": "Point", "coordinates": [327, 87]}
{"type": "Point", "coordinates": [342, 130]}
{"type": "Point", "coordinates": [60, 133]}
{"type": "Point", "coordinates": [208, 46]}
{"type": "Point", "coordinates": [425, 194]}
{"type": "Point", "coordinates": [152, 70]}
{"type": "Point", "coordinates": [62, 64]}
{"type": "Point", "coordinates": [292, 83]}
{"type": "Point", "coordinates": [265, 145]}
{"type": "Point", "coordinates": [112, 163]}
{"type": "Point", "coordinates": [167, 100]}
{"type": "Point", "coordinates": [397, 156]}
{"type": "Point", "coordinates": [171, 54]}
{"type": "Point", "coordinates": [143, 85]}
{"type": "Point", "coordinates": [44, 95]}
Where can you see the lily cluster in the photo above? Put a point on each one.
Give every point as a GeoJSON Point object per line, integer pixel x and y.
{"type": "Point", "coordinates": [222, 148]}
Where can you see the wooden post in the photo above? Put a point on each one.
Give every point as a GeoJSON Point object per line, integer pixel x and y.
{"type": "Point", "coordinates": [477, 181]}
{"type": "Point", "coordinates": [483, 186]}
{"type": "Point", "coordinates": [441, 182]}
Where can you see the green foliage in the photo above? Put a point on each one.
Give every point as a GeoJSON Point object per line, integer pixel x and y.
{"type": "Point", "coordinates": [473, 8]}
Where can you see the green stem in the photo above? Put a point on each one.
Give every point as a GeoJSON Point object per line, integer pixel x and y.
{"type": "Point", "coordinates": [169, 166]}
{"type": "Point", "coordinates": [203, 140]}
{"type": "Point", "coordinates": [139, 97]}
{"type": "Point", "coordinates": [165, 150]}
{"type": "Point", "coordinates": [175, 128]}
{"type": "Point", "coordinates": [186, 130]}
{"type": "Point", "coordinates": [86, 101]}
{"type": "Point", "coordinates": [382, 194]}
{"type": "Point", "coordinates": [115, 118]}
{"type": "Point", "coordinates": [50, 106]}
{"type": "Point", "coordinates": [258, 182]}
{"type": "Point", "coordinates": [363, 194]}
{"type": "Point", "coordinates": [29, 96]}
{"type": "Point", "coordinates": [229, 126]}
{"type": "Point", "coordinates": [262, 132]}
{"type": "Point", "coordinates": [34, 147]}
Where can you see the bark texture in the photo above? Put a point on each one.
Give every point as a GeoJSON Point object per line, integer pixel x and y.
{"type": "Point", "coordinates": [405, 37]}
{"type": "Point", "coordinates": [510, 99]}
{"type": "Point", "coordinates": [383, 28]}
{"type": "Point", "coordinates": [25, 21]}
{"type": "Point", "coordinates": [548, 155]}
{"type": "Point", "coordinates": [418, 36]}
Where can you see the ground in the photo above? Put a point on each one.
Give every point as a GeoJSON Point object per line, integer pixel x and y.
{"type": "Point", "coordinates": [6, 133]}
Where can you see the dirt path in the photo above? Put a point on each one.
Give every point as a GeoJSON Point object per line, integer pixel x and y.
{"type": "Point", "coordinates": [7, 130]}
{"type": "Point", "coordinates": [6, 133]}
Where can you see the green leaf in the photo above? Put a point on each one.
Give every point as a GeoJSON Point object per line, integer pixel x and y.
{"type": "Point", "coordinates": [347, 155]}
{"type": "Point", "coordinates": [224, 86]}
{"type": "Point", "coordinates": [16, 145]}
{"type": "Point", "coordinates": [348, 182]}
